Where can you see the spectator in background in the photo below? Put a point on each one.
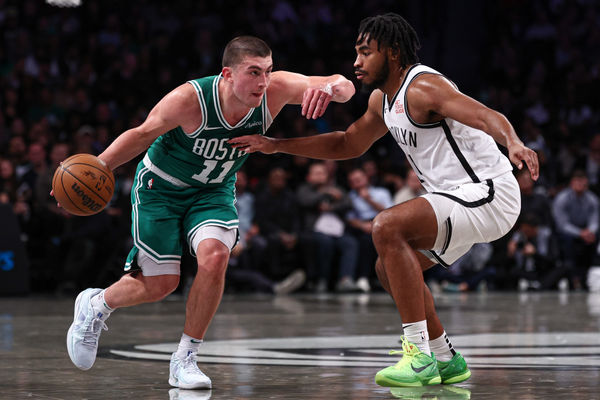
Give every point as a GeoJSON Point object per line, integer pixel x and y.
{"type": "Point", "coordinates": [17, 154]}
{"type": "Point", "coordinates": [10, 192]}
{"type": "Point", "coordinates": [534, 255]}
{"type": "Point", "coordinates": [44, 205]}
{"type": "Point", "coordinates": [37, 166]}
{"type": "Point", "coordinates": [393, 181]}
{"type": "Point", "coordinates": [470, 272]}
{"type": "Point", "coordinates": [367, 202]}
{"type": "Point", "coordinates": [278, 219]}
{"type": "Point", "coordinates": [248, 256]}
{"type": "Point", "coordinates": [533, 202]}
{"type": "Point", "coordinates": [245, 208]}
{"type": "Point", "coordinates": [48, 225]}
{"type": "Point", "coordinates": [372, 171]}
{"type": "Point", "coordinates": [8, 181]}
{"type": "Point", "coordinates": [576, 214]}
{"type": "Point", "coordinates": [412, 188]}
{"type": "Point", "coordinates": [324, 206]}
{"type": "Point", "coordinates": [591, 164]}
{"type": "Point", "coordinates": [84, 140]}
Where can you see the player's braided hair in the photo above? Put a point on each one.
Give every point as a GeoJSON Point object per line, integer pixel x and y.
{"type": "Point", "coordinates": [391, 31]}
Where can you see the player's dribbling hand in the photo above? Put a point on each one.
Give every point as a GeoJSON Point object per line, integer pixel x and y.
{"type": "Point", "coordinates": [315, 101]}
{"type": "Point", "coordinates": [60, 210]}
{"type": "Point", "coordinates": [518, 152]}
{"type": "Point", "coordinates": [252, 143]}
{"type": "Point", "coordinates": [52, 194]}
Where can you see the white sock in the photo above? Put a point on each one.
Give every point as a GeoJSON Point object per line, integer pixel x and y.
{"type": "Point", "coordinates": [416, 333]}
{"type": "Point", "coordinates": [188, 345]}
{"type": "Point", "coordinates": [442, 348]}
{"type": "Point", "coordinates": [100, 307]}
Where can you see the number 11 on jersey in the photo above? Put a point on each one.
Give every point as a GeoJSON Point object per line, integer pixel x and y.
{"type": "Point", "coordinates": [209, 166]}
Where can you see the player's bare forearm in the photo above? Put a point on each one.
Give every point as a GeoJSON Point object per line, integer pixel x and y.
{"type": "Point", "coordinates": [314, 93]}
{"type": "Point", "coordinates": [327, 146]}
{"type": "Point", "coordinates": [497, 126]}
{"type": "Point", "coordinates": [166, 115]}
{"type": "Point", "coordinates": [125, 147]}
{"type": "Point", "coordinates": [339, 145]}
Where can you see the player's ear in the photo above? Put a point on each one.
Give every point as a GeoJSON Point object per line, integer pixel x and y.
{"type": "Point", "coordinates": [393, 54]}
{"type": "Point", "coordinates": [227, 72]}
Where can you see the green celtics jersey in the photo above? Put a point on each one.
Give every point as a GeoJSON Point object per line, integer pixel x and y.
{"type": "Point", "coordinates": [203, 157]}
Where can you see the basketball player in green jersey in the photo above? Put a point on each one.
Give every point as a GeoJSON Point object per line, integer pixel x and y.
{"type": "Point", "coordinates": [184, 187]}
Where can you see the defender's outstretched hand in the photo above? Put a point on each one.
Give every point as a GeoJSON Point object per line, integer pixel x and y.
{"type": "Point", "coordinates": [315, 101]}
{"type": "Point", "coordinates": [518, 153]}
{"type": "Point", "coordinates": [252, 143]}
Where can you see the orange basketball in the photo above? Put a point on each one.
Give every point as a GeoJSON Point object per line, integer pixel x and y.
{"type": "Point", "coordinates": [83, 184]}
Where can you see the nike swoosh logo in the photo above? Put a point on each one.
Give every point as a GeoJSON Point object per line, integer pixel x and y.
{"type": "Point", "coordinates": [195, 341]}
{"type": "Point", "coordinates": [420, 369]}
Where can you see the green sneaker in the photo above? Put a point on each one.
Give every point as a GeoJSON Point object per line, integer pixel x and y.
{"type": "Point", "coordinates": [455, 370]}
{"type": "Point", "coordinates": [414, 369]}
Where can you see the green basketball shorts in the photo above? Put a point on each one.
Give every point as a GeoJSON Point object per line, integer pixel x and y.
{"type": "Point", "coordinates": [165, 214]}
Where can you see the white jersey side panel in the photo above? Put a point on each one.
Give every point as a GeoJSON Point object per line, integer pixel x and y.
{"type": "Point", "coordinates": [444, 154]}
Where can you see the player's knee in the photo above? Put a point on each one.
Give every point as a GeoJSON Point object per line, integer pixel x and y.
{"type": "Point", "coordinates": [213, 262]}
{"type": "Point", "coordinates": [386, 229]}
{"type": "Point", "coordinates": [161, 286]}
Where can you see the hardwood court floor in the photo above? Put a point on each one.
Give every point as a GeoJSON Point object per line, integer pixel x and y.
{"type": "Point", "coordinates": [519, 346]}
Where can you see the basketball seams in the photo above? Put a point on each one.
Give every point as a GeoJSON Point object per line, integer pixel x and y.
{"type": "Point", "coordinates": [80, 181]}
{"type": "Point", "coordinates": [66, 193]}
{"type": "Point", "coordinates": [106, 171]}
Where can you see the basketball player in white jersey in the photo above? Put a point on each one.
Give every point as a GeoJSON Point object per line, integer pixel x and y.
{"type": "Point", "coordinates": [448, 138]}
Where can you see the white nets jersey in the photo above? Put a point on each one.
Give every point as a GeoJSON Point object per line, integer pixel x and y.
{"type": "Point", "coordinates": [444, 154]}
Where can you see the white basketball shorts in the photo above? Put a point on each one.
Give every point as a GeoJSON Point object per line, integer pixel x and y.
{"type": "Point", "coordinates": [473, 213]}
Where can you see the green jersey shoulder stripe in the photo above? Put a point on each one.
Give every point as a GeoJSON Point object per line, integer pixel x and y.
{"type": "Point", "coordinates": [202, 103]}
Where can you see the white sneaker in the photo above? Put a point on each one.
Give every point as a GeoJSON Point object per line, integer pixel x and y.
{"type": "Point", "coordinates": [84, 333]}
{"type": "Point", "coordinates": [185, 374]}
{"type": "Point", "coordinates": [293, 282]}
{"type": "Point", "coordinates": [523, 284]}
{"type": "Point", "coordinates": [363, 284]}
{"type": "Point", "coordinates": [563, 285]}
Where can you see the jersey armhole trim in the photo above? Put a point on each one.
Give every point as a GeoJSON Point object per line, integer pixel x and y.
{"type": "Point", "coordinates": [391, 102]}
{"type": "Point", "coordinates": [202, 104]}
{"type": "Point", "coordinates": [412, 121]}
{"type": "Point", "coordinates": [266, 115]}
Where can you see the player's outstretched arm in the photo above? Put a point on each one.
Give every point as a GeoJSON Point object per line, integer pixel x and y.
{"type": "Point", "coordinates": [167, 114]}
{"type": "Point", "coordinates": [314, 93]}
{"type": "Point", "coordinates": [328, 146]}
{"type": "Point", "coordinates": [436, 94]}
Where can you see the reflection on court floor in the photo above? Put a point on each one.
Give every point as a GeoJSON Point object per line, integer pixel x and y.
{"type": "Point", "coordinates": [518, 345]}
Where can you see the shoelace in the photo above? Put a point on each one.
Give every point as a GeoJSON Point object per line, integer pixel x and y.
{"type": "Point", "coordinates": [190, 365]}
{"type": "Point", "coordinates": [90, 336]}
{"type": "Point", "coordinates": [408, 349]}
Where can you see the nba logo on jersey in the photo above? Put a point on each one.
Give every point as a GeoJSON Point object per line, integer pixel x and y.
{"type": "Point", "coordinates": [399, 107]}
{"type": "Point", "coordinates": [150, 183]}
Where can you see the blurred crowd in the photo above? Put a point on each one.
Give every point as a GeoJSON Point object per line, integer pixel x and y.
{"type": "Point", "coordinates": [71, 80]}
